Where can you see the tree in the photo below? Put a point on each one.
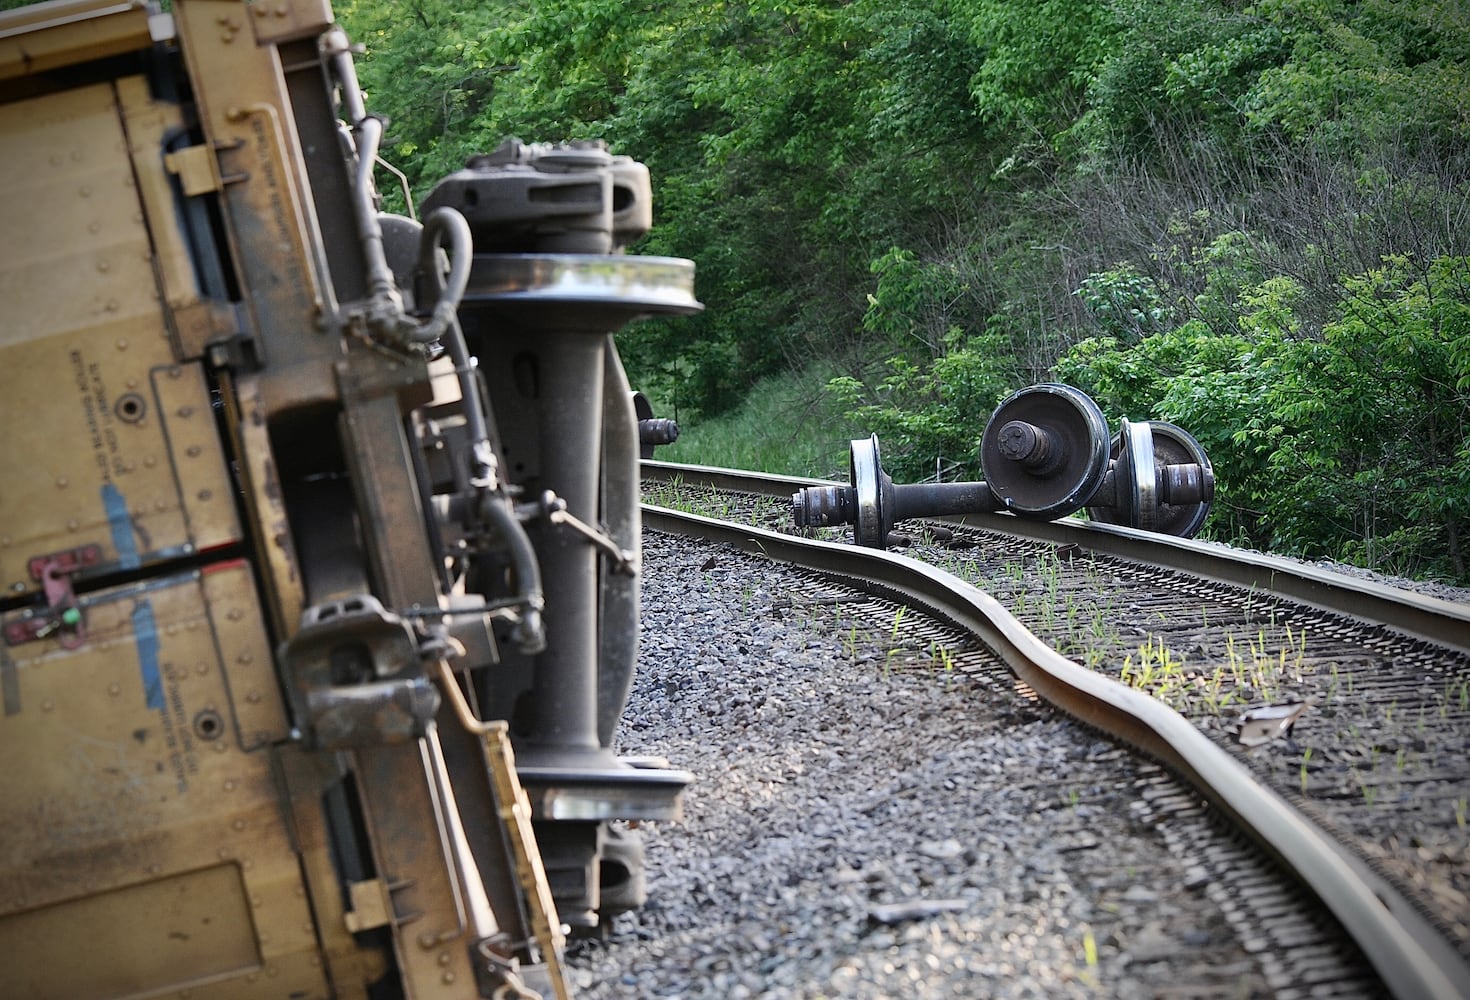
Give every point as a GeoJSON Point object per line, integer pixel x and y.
{"type": "Point", "coordinates": [1354, 444]}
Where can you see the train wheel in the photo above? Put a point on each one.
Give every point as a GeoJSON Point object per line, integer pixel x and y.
{"type": "Point", "coordinates": [1044, 451]}
{"type": "Point", "coordinates": [1144, 454]}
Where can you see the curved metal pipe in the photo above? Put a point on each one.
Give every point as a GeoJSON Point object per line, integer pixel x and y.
{"type": "Point", "coordinates": [529, 634]}
{"type": "Point", "coordinates": [485, 472]}
{"type": "Point", "coordinates": [338, 49]}
{"type": "Point", "coordinates": [369, 134]}
{"type": "Point", "coordinates": [445, 222]}
{"type": "Point", "coordinates": [444, 327]}
{"type": "Point", "coordinates": [386, 316]}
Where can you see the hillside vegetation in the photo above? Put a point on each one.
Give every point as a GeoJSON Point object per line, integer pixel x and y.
{"type": "Point", "coordinates": [1250, 219]}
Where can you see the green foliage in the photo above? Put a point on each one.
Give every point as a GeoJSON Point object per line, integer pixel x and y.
{"type": "Point", "coordinates": [930, 419]}
{"type": "Point", "coordinates": [1343, 74]}
{"type": "Point", "coordinates": [909, 309]}
{"type": "Point", "coordinates": [1390, 470]}
{"type": "Point", "coordinates": [1182, 65]}
{"type": "Point", "coordinates": [1353, 445]}
{"type": "Point", "coordinates": [931, 402]}
{"type": "Point", "coordinates": [1040, 58]}
{"type": "Point", "coordinates": [1226, 270]}
{"type": "Point", "coordinates": [1124, 304]}
{"type": "Point", "coordinates": [938, 384]}
{"type": "Point", "coordinates": [1365, 71]}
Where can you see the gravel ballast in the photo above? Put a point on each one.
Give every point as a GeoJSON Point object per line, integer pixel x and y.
{"type": "Point", "coordinates": [866, 822]}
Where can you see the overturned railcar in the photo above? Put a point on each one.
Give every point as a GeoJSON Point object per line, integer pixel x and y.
{"type": "Point", "coordinates": [311, 513]}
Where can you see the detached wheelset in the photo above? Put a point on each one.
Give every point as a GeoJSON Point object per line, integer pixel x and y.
{"type": "Point", "coordinates": [1045, 453]}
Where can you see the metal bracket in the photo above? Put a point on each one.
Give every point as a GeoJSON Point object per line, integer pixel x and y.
{"type": "Point", "coordinates": [371, 906]}
{"type": "Point", "coordinates": [62, 616]}
{"type": "Point", "coordinates": [196, 169]}
{"type": "Point", "coordinates": [555, 509]}
{"type": "Point", "coordinates": [354, 676]}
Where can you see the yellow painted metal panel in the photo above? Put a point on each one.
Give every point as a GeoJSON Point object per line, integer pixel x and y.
{"type": "Point", "coordinates": [277, 22]}
{"type": "Point", "coordinates": [72, 210]}
{"type": "Point", "coordinates": [172, 932]}
{"type": "Point", "coordinates": [120, 448]}
{"type": "Point", "coordinates": [138, 757]}
{"type": "Point", "coordinates": [118, 453]}
{"type": "Point", "coordinates": [48, 36]}
{"type": "Point", "coordinates": [245, 655]}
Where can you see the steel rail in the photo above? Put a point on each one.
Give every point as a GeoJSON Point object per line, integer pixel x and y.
{"type": "Point", "coordinates": [1444, 622]}
{"type": "Point", "coordinates": [1412, 958]}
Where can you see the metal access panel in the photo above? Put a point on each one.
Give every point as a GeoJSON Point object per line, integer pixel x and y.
{"type": "Point", "coordinates": [143, 842]}
{"type": "Point", "coordinates": [111, 448]}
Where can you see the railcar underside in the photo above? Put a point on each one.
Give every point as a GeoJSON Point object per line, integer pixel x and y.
{"type": "Point", "coordinates": [305, 495]}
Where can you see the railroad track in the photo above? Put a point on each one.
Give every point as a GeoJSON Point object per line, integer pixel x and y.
{"type": "Point", "coordinates": [1357, 787]}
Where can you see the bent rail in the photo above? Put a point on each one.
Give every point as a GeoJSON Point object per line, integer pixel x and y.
{"type": "Point", "coordinates": [1412, 958]}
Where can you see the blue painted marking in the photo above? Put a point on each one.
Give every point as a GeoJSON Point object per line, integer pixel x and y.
{"type": "Point", "coordinates": [145, 635]}
{"type": "Point", "coordinates": [122, 526]}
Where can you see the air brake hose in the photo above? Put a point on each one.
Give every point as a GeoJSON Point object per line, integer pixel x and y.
{"type": "Point", "coordinates": [529, 634]}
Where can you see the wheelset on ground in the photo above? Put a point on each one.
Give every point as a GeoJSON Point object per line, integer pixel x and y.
{"type": "Point", "coordinates": [1046, 454]}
